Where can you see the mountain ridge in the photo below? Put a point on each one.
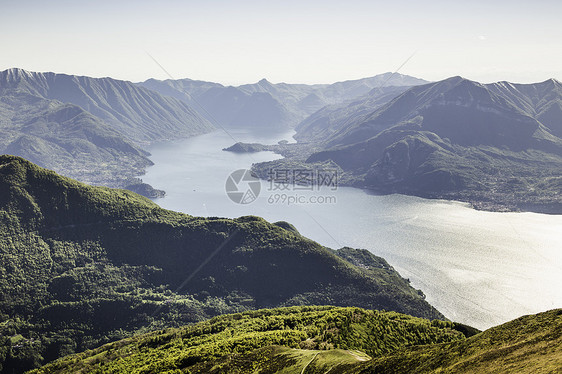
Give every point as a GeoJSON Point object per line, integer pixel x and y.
{"type": "Point", "coordinates": [134, 111]}
{"type": "Point", "coordinates": [297, 101]}
{"type": "Point", "coordinates": [87, 128]}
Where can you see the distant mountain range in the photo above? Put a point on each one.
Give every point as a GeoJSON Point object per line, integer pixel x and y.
{"type": "Point", "coordinates": [270, 106]}
{"type": "Point", "coordinates": [140, 115]}
{"type": "Point", "coordinates": [495, 145]}
{"type": "Point", "coordinates": [83, 265]}
{"type": "Point", "coordinates": [468, 113]}
{"type": "Point", "coordinates": [88, 128]}
{"type": "Point", "coordinates": [93, 129]}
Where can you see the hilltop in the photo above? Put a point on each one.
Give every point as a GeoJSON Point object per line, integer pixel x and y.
{"type": "Point", "coordinates": [265, 341]}
{"type": "Point", "coordinates": [335, 340]}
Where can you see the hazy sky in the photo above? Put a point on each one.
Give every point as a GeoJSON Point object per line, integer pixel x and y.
{"type": "Point", "coordinates": [319, 41]}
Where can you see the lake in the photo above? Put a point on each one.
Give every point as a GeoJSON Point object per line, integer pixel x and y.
{"type": "Point", "coordinates": [479, 268]}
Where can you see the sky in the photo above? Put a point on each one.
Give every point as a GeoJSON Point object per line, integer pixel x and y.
{"type": "Point", "coordinates": [237, 42]}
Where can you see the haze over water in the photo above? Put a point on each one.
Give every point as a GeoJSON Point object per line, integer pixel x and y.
{"type": "Point", "coordinates": [479, 268]}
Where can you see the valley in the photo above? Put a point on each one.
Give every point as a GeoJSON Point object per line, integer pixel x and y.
{"type": "Point", "coordinates": [94, 264]}
{"type": "Point", "coordinates": [317, 187]}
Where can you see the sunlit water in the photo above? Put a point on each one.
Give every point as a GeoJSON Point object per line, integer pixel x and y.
{"type": "Point", "coordinates": [479, 268]}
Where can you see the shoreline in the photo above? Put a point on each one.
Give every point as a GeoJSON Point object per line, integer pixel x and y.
{"type": "Point", "coordinates": [468, 197]}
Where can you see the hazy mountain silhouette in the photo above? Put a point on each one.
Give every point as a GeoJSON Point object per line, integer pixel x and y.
{"type": "Point", "coordinates": [285, 104]}
{"type": "Point", "coordinates": [136, 112]}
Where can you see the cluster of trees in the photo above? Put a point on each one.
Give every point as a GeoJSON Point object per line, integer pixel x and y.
{"type": "Point", "coordinates": [321, 328]}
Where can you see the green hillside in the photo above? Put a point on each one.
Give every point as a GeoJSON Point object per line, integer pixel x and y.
{"type": "Point", "coordinates": [252, 341]}
{"type": "Point", "coordinates": [81, 266]}
{"type": "Point", "coordinates": [331, 340]}
{"type": "Point", "coordinates": [530, 344]}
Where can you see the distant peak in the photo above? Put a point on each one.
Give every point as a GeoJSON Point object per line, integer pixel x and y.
{"type": "Point", "coordinates": [462, 81]}
{"type": "Point", "coordinates": [502, 84]}
{"type": "Point", "coordinates": [389, 74]}
{"type": "Point", "coordinates": [552, 80]}
{"type": "Point", "coordinates": [264, 81]}
{"type": "Point", "coordinates": [456, 78]}
{"type": "Point", "coordinates": [16, 72]}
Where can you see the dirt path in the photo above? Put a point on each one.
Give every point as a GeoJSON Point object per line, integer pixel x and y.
{"type": "Point", "coordinates": [305, 366]}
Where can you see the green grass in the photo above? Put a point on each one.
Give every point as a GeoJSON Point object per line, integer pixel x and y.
{"type": "Point", "coordinates": [282, 360]}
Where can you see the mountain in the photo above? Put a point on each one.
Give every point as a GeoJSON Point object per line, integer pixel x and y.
{"type": "Point", "coordinates": [466, 112]}
{"type": "Point", "coordinates": [494, 145]}
{"type": "Point", "coordinates": [233, 107]}
{"type": "Point", "coordinates": [307, 99]}
{"type": "Point", "coordinates": [267, 105]}
{"type": "Point", "coordinates": [333, 118]}
{"type": "Point", "coordinates": [67, 139]}
{"type": "Point", "coordinates": [138, 114]}
{"type": "Point", "coordinates": [181, 89]}
{"type": "Point", "coordinates": [81, 266]}
{"type": "Point", "coordinates": [334, 340]}
{"type": "Point", "coordinates": [350, 90]}
{"type": "Point", "coordinates": [89, 128]}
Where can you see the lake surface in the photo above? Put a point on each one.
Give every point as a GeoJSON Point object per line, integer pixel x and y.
{"type": "Point", "coordinates": [479, 268]}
